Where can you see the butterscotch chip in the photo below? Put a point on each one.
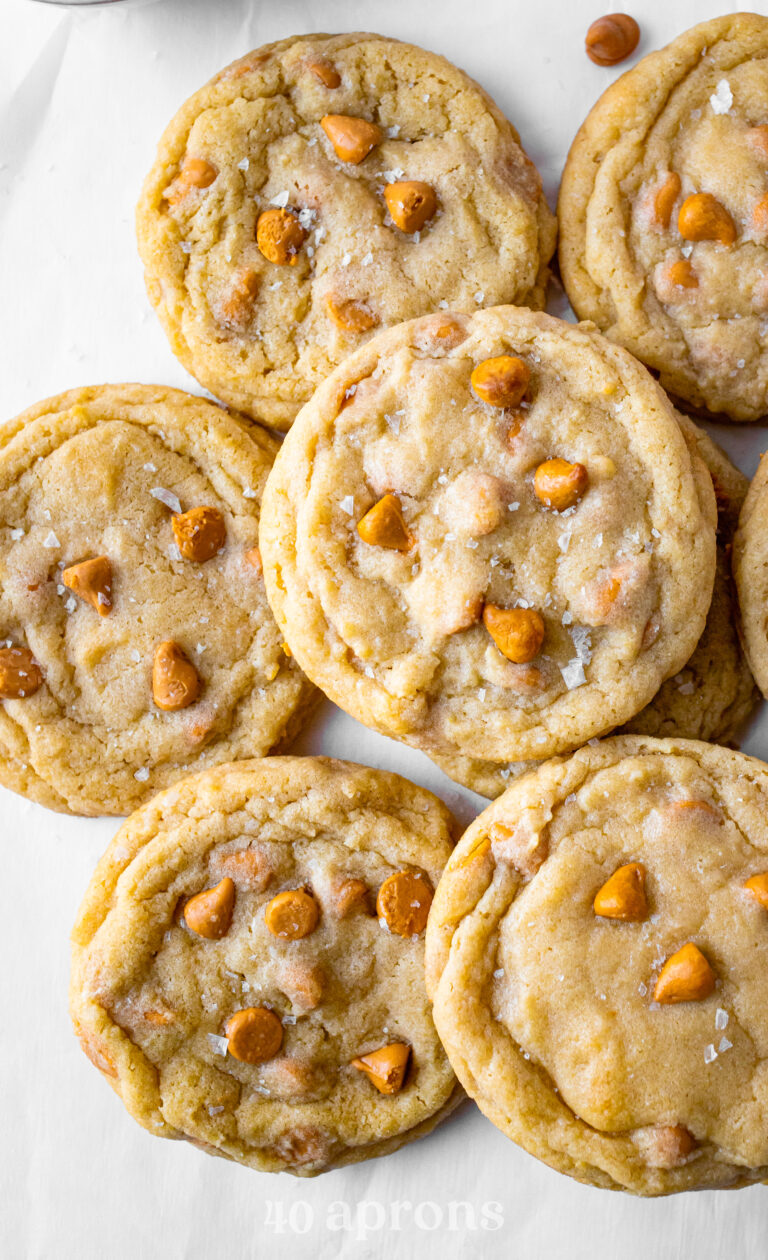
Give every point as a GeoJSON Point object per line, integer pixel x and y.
{"type": "Point", "coordinates": [20, 674]}
{"type": "Point", "coordinates": [385, 1068]}
{"type": "Point", "coordinates": [91, 580]}
{"type": "Point", "coordinates": [617, 1051]}
{"type": "Point", "coordinates": [292, 914]}
{"type": "Point", "coordinates": [195, 173]}
{"type": "Point", "coordinates": [664, 199]}
{"type": "Point", "coordinates": [254, 1034]}
{"type": "Point", "coordinates": [280, 236]}
{"type": "Point", "coordinates": [200, 533]}
{"type": "Point", "coordinates": [757, 887]}
{"type": "Point", "coordinates": [685, 977]}
{"type": "Point", "coordinates": [623, 895]}
{"type": "Point", "coordinates": [612, 38]}
{"type": "Point", "coordinates": [682, 276]}
{"type": "Point", "coordinates": [517, 632]}
{"type": "Point", "coordinates": [352, 315]}
{"type": "Point", "coordinates": [703, 218]}
{"type": "Point", "coordinates": [403, 902]}
{"type": "Point", "coordinates": [384, 526]}
{"type": "Point", "coordinates": [559, 484]}
{"type": "Point", "coordinates": [352, 138]}
{"type": "Point", "coordinates": [411, 204]}
{"type": "Point", "coordinates": [209, 913]}
{"type": "Point", "coordinates": [264, 351]}
{"type": "Point", "coordinates": [227, 1035]}
{"type": "Point", "coordinates": [501, 381]}
{"type": "Point", "coordinates": [175, 681]}
{"type": "Point", "coordinates": [253, 558]}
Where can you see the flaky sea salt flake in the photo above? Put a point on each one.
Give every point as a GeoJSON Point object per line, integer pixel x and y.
{"type": "Point", "coordinates": [721, 99]}
{"type": "Point", "coordinates": [51, 540]}
{"type": "Point", "coordinates": [167, 497]}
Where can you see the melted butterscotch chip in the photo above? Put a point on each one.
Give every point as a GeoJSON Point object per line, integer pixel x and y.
{"type": "Point", "coordinates": [403, 902]}
{"type": "Point", "coordinates": [623, 895]}
{"type": "Point", "coordinates": [200, 533]}
{"type": "Point", "coordinates": [20, 674]}
{"type": "Point", "coordinates": [685, 977]}
{"type": "Point", "coordinates": [352, 138]}
{"type": "Point", "coordinates": [384, 526]}
{"type": "Point", "coordinates": [385, 1068]}
{"type": "Point", "coordinates": [209, 913]}
{"type": "Point", "coordinates": [292, 914]}
{"type": "Point", "coordinates": [254, 1034]}
{"type": "Point", "coordinates": [175, 681]}
{"type": "Point", "coordinates": [91, 581]}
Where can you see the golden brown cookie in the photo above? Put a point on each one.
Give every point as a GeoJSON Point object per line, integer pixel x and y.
{"type": "Point", "coordinates": [323, 187]}
{"type": "Point", "coordinates": [664, 215]}
{"type": "Point", "coordinates": [750, 569]}
{"type": "Point", "coordinates": [248, 964]}
{"type": "Point", "coordinates": [138, 642]}
{"type": "Point", "coordinates": [596, 955]}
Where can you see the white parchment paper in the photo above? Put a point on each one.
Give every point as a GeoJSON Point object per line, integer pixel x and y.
{"type": "Point", "coordinates": [84, 96]}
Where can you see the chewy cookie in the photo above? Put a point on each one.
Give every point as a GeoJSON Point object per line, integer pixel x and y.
{"type": "Point", "coordinates": [323, 187]}
{"type": "Point", "coordinates": [485, 535]}
{"type": "Point", "coordinates": [248, 964]}
{"type": "Point", "coordinates": [714, 694]}
{"type": "Point", "coordinates": [664, 215]}
{"type": "Point", "coordinates": [137, 641]}
{"type": "Point", "coordinates": [596, 955]}
{"type": "Point", "coordinates": [750, 568]}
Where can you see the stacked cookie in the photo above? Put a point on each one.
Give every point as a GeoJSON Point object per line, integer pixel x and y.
{"type": "Point", "coordinates": [488, 534]}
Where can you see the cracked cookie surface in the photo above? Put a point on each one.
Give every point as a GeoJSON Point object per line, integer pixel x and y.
{"type": "Point", "coordinates": [117, 474]}
{"type": "Point", "coordinates": [596, 956]}
{"type": "Point", "coordinates": [664, 215]}
{"type": "Point", "coordinates": [166, 977]}
{"type": "Point", "coordinates": [422, 581]}
{"type": "Point", "coordinates": [273, 245]}
{"type": "Point", "coordinates": [713, 695]}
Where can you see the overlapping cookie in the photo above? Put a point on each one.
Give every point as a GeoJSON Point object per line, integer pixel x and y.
{"type": "Point", "coordinates": [664, 215]}
{"type": "Point", "coordinates": [750, 568]}
{"type": "Point", "coordinates": [137, 642]}
{"type": "Point", "coordinates": [596, 955]}
{"type": "Point", "coordinates": [713, 695]}
{"type": "Point", "coordinates": [486, 536]}
{"type": "Point", "coordinates": [248, 964]}
{"type": "Point", "coordinates": [323, 187]}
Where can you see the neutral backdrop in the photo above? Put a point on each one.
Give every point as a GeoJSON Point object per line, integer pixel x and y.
{"type": "Point", "coordinates": [84, 96]}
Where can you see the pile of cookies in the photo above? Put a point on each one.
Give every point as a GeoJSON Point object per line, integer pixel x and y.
{"type": "Point", "coordinates": [489, 534]}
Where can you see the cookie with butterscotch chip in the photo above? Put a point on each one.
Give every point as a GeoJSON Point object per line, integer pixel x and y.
{"type": "Point", "coordinates": [596, 956]}
{"type": "Point", "coordinates": [663, 214]}
{"type": "Point", "coordinates": [321, 188]}
{"type": "Point", "coordinates": [280, 1021]}
{"type": "Point", "coordinates": [486, 536]}
{"type": "Point", "coordinates": [137, 639]}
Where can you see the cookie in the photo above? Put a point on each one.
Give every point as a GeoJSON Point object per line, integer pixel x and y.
{"type": "Point", "coordinates": [664, 215]}
{"type": "Point", "coordinates": [485, 535]}
{"type": "Point", "coordinates": [596, 954]}
{"type": "Point", "coordinates": [712, 697]}
{"type": "Point", "coordinates": [248, 964]}
{"type": "Point", "coordinates": [750, 569]}
{"type": "Point", "coordinates": [323, 187]}
{"type": "Point", "coordinates": [137, 639]}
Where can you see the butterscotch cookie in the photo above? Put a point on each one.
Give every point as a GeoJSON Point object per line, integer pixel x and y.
{"type": "Point", "coordinates": [485, 535]}
{"type": "Point", "coordinates": [713, 695]}
{"type": "Point", "coordinates": [323, 187]}
{"type": "Point", "coordinates": [664, 215]}
{"type": "Point", "coordinates": [137, 638]}
{"type": "Point", "coordinates": [750, 568]}
{"type": "Point", "coordinates": [596, 954]}
{"type": "Point", "coordinates": [248, 964]}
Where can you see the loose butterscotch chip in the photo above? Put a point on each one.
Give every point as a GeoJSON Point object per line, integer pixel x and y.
{"type": "Point", "coordinates": [324, 72]}
{"type": "Point", "coordinates": [292, 914]}
{"type": "Point", "coordinates": [410, 203]}
{"type": "Point", "coordinates": [254, 1034]}
{"type": "Point", "coordinates": [209, 913]}
{"type": "Point", "coordinates": [685, 977]}
{"type": "Point", "coordinates": [501, 381]}
{"type": "Point", "coordinates": [664, 199]}
{"type": "Point", "coordinates": [703, 218]}
{"type": "Point", "coordinates": [20, 674]}
{"type": "Point", "coordinates": [757, 887]}
{"type": "Point", "coordinates": [200, 533]}
{"type": "Point", "coordinates": [517, 632]}
{"type": "Point", "coordinates": [384, 526]}
{"type": "Point", "coordinates": [352, 138]}
{"type": "Point", "coordinates": [352, 315]}
{"type": "Point", "coordinates": [559, 484]}
{"type": "Point", "coordinates": [279, 236]}
{"type": "Point", "coordinates": [623, 895]}
{"type": "Point", "coordinates": [403, 902]}
{"type": "Point", "coordinates": [195, 173]}
{"type": "Point", "coordinates": [612, 38]}
{"type": "Point", "coordinates": [175, 681]}
{"type": "Point", "coordinates": [682, 275]}
{"type": "Point", "coordinates": [91, 580]}
{"type": "Point", "coordinates": [385, 1068]}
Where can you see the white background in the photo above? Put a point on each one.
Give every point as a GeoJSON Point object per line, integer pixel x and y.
{"type": "Point", "coordinates": [84, 96]}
